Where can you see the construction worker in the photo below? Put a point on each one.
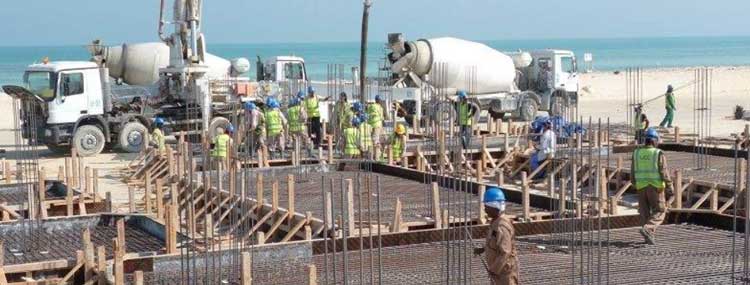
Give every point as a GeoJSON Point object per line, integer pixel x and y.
{"type": "Point", "coordinates": [398, 141]}
{"type": "Point", "coordinates": [375, 119]}
{"type": "Point", "coordinates": [651, 178]}
{"type": "Point", "coordinates": [500, 244]}
{"type": "Point", "coordinates": [312, 106]}
{"type": "Point", "coordinates": [545, 149]}
{"type": "Point", "coordinates": [366, 146]}
{"type": "Point", "coordinates": [351, 139]}
{"type": "Point", "coordinates": [297, 117]}
{"type": "Point", "coordinates": [671, 107]}
{"type": "Point", "coordinates": [256, 131]}
{"type": "Point", "coordinates": [157, 136]}
{"type": "Point", "coordinates": [342, 111]}
{"type": "Point", "coordinates": [465, 114]}
{"type": "Point", "coordinates": [221, 142]}
{"type": "Point", "coordinates": [641, 124]}
{"type": "Point", "coordinates": [276, 123]}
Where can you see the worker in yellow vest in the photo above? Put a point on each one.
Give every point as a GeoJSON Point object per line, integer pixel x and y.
{"type": "Point", "coordinates": [221, 143]}
{"type": "Point", "coordinates": [312, 106]}
{"type": "Point", "coordinates": [398, 141]}
{"type": "Point", "coordinates": [651, 178]}
{"type": "Point", "coordinates": [375, 118]}
{"type": "Point", "coordinates": [157, 136]}
{"type": "Point", "coordinates": [276, 123]}
{"type": "Point", "coordinates": [297, 117]}
{"type": "Point", "coordinates": [365, 138]}
{"type": "Point", "coordinates": [342, 110]}
{"type": "Point", "coordinates": [466, 112]}
{"type": "Point", "coordinates": [351, 140]}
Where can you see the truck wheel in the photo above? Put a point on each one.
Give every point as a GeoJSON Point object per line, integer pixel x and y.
{"type": "Point", "coordinates": [557, 106]}
{"type": "Point", "coordinates": [132, 137]}
{"type": "Point", "coordinates": [59, 149]}
{"type": "Point", "coordinates": [217, 122]}
{"type": "Point", "coordinates": [528, 109]}
{"type": "Point", "coordinates": [89, 140]}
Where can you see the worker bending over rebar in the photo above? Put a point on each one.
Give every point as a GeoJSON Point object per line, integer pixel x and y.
{"type": "Point", "coordinates": [397, 141]}
{"type": "Point", "coordinates": [500, 245]}
{"type": "Point", "coordinates": [651, 178]}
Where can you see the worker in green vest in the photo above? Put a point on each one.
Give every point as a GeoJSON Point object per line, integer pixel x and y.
{"type": "Point", "coordinates": [351, 139]}
{"type": "Point", "coordinates": [651, 179]}
{"type": "Point", "coordinates": [671, 107]}
{"type": "Point", "coordinates": [466, 112]}
{"type": "Point", "coordinates": [312, 106]}
{"type": "Point", "coordinates": [366, 146]}
{"type": "Point", "coordinates": [276, 123]}
{"type": "Point", "coordinates": [221, 142]}
{"type": "Point", "coordinates": [297, 117]}
{"type": "Point", "coordinates": [398, 141]}
{"type": "Point", "coordinates": [157, 136]}
{"type": "Point", "coordinates": [375, 117]}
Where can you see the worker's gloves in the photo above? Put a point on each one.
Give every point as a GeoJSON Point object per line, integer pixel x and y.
{"type": "Point", "coordinates": [478, 251]}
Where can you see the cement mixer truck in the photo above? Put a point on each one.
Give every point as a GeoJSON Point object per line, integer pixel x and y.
{"type": "Point", "coordinates": [519, 84]}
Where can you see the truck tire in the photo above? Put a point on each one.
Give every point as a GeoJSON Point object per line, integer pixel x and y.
{"type": "Point", "coordinates": [557, 106]}
{"type": "Point", "coordinates": [528, 109]}
{"type": "Point", "coordinates": [132, 137]}
{"type": "Point", "coordinates": [88, 140]}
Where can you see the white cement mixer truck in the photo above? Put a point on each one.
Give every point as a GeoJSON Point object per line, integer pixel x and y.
{"type": "Point", "coordinates": [519, 84]}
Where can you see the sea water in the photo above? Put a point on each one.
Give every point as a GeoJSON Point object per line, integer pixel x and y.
{"type": "Point", "coordinates": [608, 54]}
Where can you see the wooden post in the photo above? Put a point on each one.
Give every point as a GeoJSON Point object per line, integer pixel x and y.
{"type": "Point", "coordinates": [121, 234]}
{"type": "Point", "coordinates": [173, 225]}
{"type": "Point", "coordinates": [261, 238]}
{"type": "Point", "coordinates": [482, 220]}
{"type": "Point", "coordinates": [312, 275]}
{"type": "Point", "coordinates": [147, 193]}
{"type": "Point", "coordinates": [714, 198]}
{"type": "Point", "coordinates": [87, 180]}
{"type": "Point", "coordinates": [561, 199]}
{"type": "Point", "coordinates": [678, 189]}
{"type": "Point", "coordinates": [95, 182]}
{"type": "Point", "coordinates": [74, 167]}
{"type": "Point", "coordinates": [246, 277]}
{"type": "Point", "coordinates": [108, 200]}
{"type": "Point", "coordinates": [69, 200]}
{"type": "Point", "coordinates": [119, 269]}
{"type": "Point", "coordinates": [330, 150]}
{"type": "Point", "coordinates": [328, 216]}
{"type": "Point", "coordinates": [160, 199]}
{"type": "Point", "coordinates": [290, 196]}
{"type": "Point", "coordinates": [677, 135]}
{"type": "Point", "coordinates": [436, 206]}
{"type": "Point", "coordinates": [275, 196]}
{"type": "Point", "coordinates": [131, 199]}
{"type": "Point", "coordinates": [396, 225]}
{"type": "Point", "coordinates": [259, 192]}
{"type": "Point", "coordinates": [88, 249]}
{"type": "Point", "coordinates": [525, 199]}
{"type": "Point", "coordinates": [138, 277]}
{"type": "Point", "coordinates": [101, 265]}
{"type": "Point", "coordinates": [349, 205]}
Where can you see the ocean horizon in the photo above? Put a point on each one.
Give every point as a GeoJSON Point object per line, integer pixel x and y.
{"type": "Point", "coordinates": [609, 54]}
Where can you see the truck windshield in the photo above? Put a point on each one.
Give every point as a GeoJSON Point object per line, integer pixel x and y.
{"type": "Point", "coordinates": [41, 83]}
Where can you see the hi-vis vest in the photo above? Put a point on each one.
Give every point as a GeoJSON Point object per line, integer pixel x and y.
{"type": "Point", "coordinates": [220, 146]}
{"type": "Point", "coordinates": [464, 114]}
{"type": "Point", "coordinates": [273, 122]}
{"type": "Point", "coordinates": [158, 137]}
{"type": "Point", "coordinates": [351, 136]}
{"type": "Point", "coordinates": [646, 161]}
{"type": "Point", "coordinates": [295, 122]}
{"type": "Point", "coordinates": [397, 145]}
{"type": "Point", "coordinates": [365, 135]}
{"type": "Point", "coordinates": [375, 115]}
{"type": "Point", "coordinates": [311, 106]}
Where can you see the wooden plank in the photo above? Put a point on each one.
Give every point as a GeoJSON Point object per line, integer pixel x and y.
{"type": "Point", "coordinates": [118, 269]}
{"type": "Point", "coordinates": [290, 195]}
{"type": "Point", "coordinates": [101, 265]}
{"type": "Point", "coordinates": [294, 229]}
{"type": "Point", "coordinates": [526, 196]}
{"type": "Point", "coordinates": [702, 199]}
{"type": "Point", "coordinates": [95, 182]}
{"type": "Point", "coordinates": [75, 269]}
{"type": "Point", "coordinates": [436, 205]}
{"type": "Point", "coordinates": [280, 220]}
{"type": "Point", "coordinates": [397, 219]}
{"type": "Point", "coordinates": [312, 275]}
{"type": "Point", "coordinates": [138, 277]}
{"type": "Point", "coordinates": [121, 235]}
{"type": "Point", "coordinates": [246, 275]}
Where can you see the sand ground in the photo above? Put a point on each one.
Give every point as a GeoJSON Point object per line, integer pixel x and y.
{"type": "Point", "coordinates": [605, 97]}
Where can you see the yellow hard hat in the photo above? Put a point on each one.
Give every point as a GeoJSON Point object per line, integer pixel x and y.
{"type": "Point", "coordinates": [400, 129]}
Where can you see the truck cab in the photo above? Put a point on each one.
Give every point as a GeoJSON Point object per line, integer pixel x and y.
{"type": "Point", "coordinates": [282, 69]}
{"type": "Point", "coordinates": [563, 74]}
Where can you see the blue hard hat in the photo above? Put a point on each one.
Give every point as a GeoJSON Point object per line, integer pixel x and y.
{"type": "Point", "coordinates": [271, 102]}
{"type": "Point", "coordinates": [493, 194]}
{"type": "Point", "coordinates": [250, 106]}
{"type": "Point", "coordinates": [310, 89]}
{"type": "Point", "coordinates": [230, 128]}
{"type": "Point", "coordinates": [363, 117]}
{"type": "Point", "coordinates": [357, 106]}
{"type": "Point", "coordinates": [461, 94]}
{"type": "Point", "coordinates": [158, 121]}
{"type": "Point", "coordinates": [378, 98]}
{"type": "Point", "coordinates": [300, 94]}
{"type": "Point", "coordinates": [652, 134]}
{"type": "Point", "coordinates": [356, 121]}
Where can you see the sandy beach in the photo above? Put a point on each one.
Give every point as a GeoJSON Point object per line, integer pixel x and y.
{"type": "Point", "coordinates": [606, 97]}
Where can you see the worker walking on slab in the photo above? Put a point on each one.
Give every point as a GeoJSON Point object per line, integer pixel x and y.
{"type": "Point", "coordinates": [351, 139]}
{"type": "Point", "coordinates": [465, 114]}
{"type": "Point", "coordinates": [276, 123]}
{"type": "Point", "coordinates": [651, 178]}
{"type": "Point", "coordinates": [375, 118]}
{"type": "Point", "coordinates": [297, 130]}
{"type": "Point", "coordinates": [671, 107]}
{"type": "Point", "coordinates": [255, 126]}
{"type": "Point", "coordinates": [157, 136]}
{"type": "Point", "coordinates": [397, 141]}
{"type": "Point", "coordinates": [500, 245]}
{"type": "Point", "coordinates": [312, 106]}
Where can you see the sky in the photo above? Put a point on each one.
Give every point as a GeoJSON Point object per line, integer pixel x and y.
{"type": "Point", "coordinates": [75, 22]}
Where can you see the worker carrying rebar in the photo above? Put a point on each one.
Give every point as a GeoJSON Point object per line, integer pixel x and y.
{"type": "Point", "coordinates": [276, 123]}
{"type": "Point", "coordinates": [671, 107]}
{"type": "Point", "coordinates": [545, 149]}
{"type": "Point", "coordinates": [255, 127]}
{"type": "Point", "coordinates": [312, 106]}
{"type": "Point", "coordinates": [157, 136]}
{"type": "Point", "coordinates": [397, 141]}
{"type": "Point", "coordinates": [221, 142]}
{"type": "Point", "coordinates": [500, 245]}
{"type": "Point", "coordinates": [375, 118]}
{"type": "Point", "coordinates": [297, 117]}
{"type": "Point", "coordinates": [651, 178]}
{"type": "Point", "coordinates": [466, 112]}
{"type": "Point", "coordinates": [351, 139]}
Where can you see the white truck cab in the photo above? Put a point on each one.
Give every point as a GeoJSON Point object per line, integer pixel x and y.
{"type": "Point", "coordinates": [282, 69]}
{"type": "Point", "coordinates": [71, 89]}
